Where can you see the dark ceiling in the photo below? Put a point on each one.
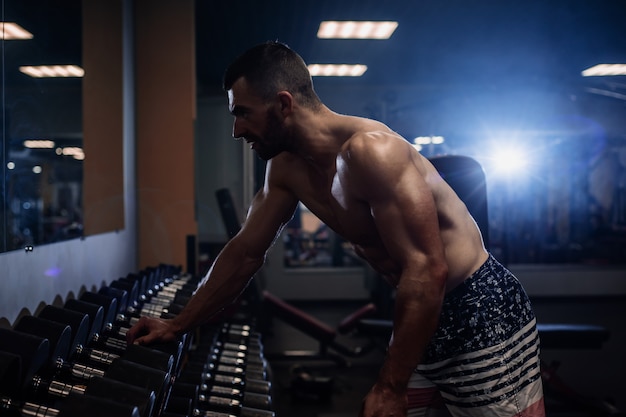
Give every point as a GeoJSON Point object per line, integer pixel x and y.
{"type": "Point", "coordinates": [496, 63]}
{"type": "Point", "coordinates": [438, 42]}
{"type": "Point", "coordinates": [447, 49]}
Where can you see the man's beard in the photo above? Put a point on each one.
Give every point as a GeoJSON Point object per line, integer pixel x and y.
{"type": "Point", "coordinates": [275, 140]}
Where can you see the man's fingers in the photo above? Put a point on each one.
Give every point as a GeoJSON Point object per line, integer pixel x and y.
{"type": "Point", "coordinates": [130, 335]}
{"type": "Point", "coordinates": [146, 339]}
{"type": "Point", "coordinates": [133, 332]}
{"type": "Point", "coordinates": [149, 330]}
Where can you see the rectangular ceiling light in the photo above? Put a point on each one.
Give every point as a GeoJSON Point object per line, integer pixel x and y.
{"type": "Point", "coordinates": [53, 71]}
{"type": "Point", "coordinates": [603, 70]}
{"type": "Point", "coordinates": [337, 70]}
{"type": "Point", "coordinates": [12, 31]}
{"type": "Point", "coordinates": [356, 30]}
{"type": "Point", "coordinates": [73, 151]}
{"type": "Point", "coordinates": [39, 144]}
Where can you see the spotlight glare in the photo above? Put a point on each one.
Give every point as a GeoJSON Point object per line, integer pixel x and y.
{"type": "Point", "coordinates": [604, 70]}
{"type": "Point", "coordinates": [509, 160]}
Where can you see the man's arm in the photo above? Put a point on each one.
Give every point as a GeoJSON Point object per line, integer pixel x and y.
{"type": "Point", "coordinates": [232, 270]}
{"type": "Point", "coordinates": [384, 174]}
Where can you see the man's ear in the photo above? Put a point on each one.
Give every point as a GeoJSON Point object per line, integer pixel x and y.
{"type": "Point", "coordinates": [286, 102]}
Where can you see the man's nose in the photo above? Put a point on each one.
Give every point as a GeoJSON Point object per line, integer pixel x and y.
{"type": "Point", "coordinates": [238, 130]}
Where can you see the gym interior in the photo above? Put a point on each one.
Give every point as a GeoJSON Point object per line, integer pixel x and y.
{"type": "Point", "coordinates": [121, 182]}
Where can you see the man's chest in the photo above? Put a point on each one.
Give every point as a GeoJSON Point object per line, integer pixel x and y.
{"type": "Point", "coordinates": [332, 201]}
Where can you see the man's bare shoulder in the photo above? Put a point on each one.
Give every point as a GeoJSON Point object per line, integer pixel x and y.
{"type": "Point", "coordinates": [370, 146]}
{"type": "Point", "coordinates": [368, 133]}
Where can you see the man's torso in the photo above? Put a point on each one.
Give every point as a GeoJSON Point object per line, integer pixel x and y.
{"type": "Point", "coordinates": [328, 195]}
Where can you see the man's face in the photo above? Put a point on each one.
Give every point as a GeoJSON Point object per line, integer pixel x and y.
{"type": "Point", "coordinates": [257, 122]}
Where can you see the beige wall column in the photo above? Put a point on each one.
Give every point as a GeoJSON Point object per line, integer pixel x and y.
{"type": "Point", "coordinates": [103, 174]}
{"type": "Point", "coordinates": [165, 117]}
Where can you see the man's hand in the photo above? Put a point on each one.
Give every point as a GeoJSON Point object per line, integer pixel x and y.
{"type": "Point", "coordinates": [384, 402]}
{"type": "Point", "coordinates": [151, 330]}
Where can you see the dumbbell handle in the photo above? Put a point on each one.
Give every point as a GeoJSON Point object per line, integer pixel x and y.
{"type": "Point", "coordinates": [78, 370]}
{"type": "Point", "coordinates": [220, 396]}
{"type": "Point", "coordinates": [76, 405]}
{"type": "Point", "coordinates": [241, 411]}
{"type": "Point", "coordinates": [118, 345]}
{"type": "Point", "coordinates": [10, 407]}
{"type": "Point", "coordinates": [95, 355]}
{"type": "Point", "coordinates": [226, 404]}
{"type": "Point", "coordinates": [57, 388]}
{"type": "Point", "coordinates": [109, 389]}
{"type": "Point", "coordinates": [208, 381]}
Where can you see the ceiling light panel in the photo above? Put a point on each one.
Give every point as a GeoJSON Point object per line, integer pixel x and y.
{"type": "Point", "coordinates": [333, 29]}
{"type": "Point", "coordinates": [55, 71]}
{"type": "Point", "coordinates": [39, 144]}
{"type": "Point", "coordinates": [337, 70]}
{"type": "Point", "coordinates": [603, 70]}
{"type": "Point", "coordinates": [12, 31]}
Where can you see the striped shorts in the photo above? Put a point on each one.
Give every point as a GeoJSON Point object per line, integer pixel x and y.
{"type": "Point", "coordinates": [483, 360]}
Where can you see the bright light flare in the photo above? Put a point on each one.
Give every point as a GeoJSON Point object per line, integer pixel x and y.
{"type": "Point", "coordinates": [510, 160]}
{"type": "Point", "coordinates": [604, 70]}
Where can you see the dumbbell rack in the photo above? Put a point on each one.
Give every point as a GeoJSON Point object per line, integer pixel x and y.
{"type": "Point", "coordinates": [74, 361]}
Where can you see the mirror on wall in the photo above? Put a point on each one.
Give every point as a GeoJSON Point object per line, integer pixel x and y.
{"type": "Point", "coordinates": [42, 139]}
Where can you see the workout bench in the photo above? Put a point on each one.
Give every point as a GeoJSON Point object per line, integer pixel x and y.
{"type": "Point", "coordinates": [326, 336]}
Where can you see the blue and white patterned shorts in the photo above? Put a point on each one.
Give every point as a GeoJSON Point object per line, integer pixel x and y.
{"type": "Point", "coordinates": [483, 359]}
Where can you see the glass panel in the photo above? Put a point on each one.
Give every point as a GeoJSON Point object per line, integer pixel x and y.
{"type": "Point", "coordinates": [42, 124]}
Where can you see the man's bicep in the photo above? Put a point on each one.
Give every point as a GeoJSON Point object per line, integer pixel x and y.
{"type": "Point", "coordinates": [407, 221]}
{"type": "Point", "coordinates": [401, 202]}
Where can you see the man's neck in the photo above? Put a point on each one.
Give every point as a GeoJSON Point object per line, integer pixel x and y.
{"type": "Point", "coordinates": [320, 136]}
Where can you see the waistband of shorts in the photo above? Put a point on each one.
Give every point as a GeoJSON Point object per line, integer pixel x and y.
{"type": "Point", "coordinates": [489, 265]}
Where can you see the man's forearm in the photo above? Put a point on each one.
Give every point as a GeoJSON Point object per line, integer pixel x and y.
{"type": "Point", "coordinates": [225, 281]}
{"type": "Point", "coordinates": [416, 316]}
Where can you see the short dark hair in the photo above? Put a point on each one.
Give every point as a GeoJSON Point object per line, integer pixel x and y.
{"type": "Point", "coordinates": [272, 67]}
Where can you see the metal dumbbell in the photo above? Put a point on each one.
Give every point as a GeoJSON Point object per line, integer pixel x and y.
{"type": "Point", "coordinates": [82, 331]}
{"type": "Point", "coordinates": [26, 345]}
{"type": "Point", "coordinates": [22, 390]}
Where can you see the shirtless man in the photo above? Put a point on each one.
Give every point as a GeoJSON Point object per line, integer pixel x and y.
{"type": "Point", "coordinates": [463, 335]}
